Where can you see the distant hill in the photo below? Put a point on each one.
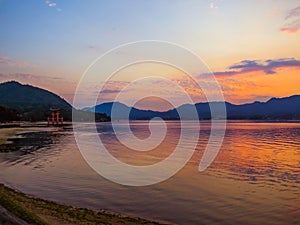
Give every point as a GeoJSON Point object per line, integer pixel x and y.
{"type": "Point", "coordinates": [287, 108]}
{"type": "Point", "coordinates": [122, 110]}
{"type": "Point", "coordinates": [33, 103]}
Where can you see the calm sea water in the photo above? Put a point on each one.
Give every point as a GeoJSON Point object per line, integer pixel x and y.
{"type": "Point", "coordinates": [255, 179]}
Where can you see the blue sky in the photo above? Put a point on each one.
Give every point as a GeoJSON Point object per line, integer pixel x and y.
{"type": "Point", "coordinates": [60, 38]}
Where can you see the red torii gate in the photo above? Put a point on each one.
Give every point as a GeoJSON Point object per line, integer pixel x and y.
{"type": "Point", "coordinates": [55, 118]}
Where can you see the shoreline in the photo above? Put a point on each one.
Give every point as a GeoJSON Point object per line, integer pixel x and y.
{"type": "Point", "coordinates": [20, 208]}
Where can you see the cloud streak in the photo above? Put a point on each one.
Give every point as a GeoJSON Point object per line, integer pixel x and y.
{"type": "Point", "coordinates": [213, 5]}
{"type": "Point", "coordinates": [292, 27]}
{"type": "Point", "coordinates": [9, 62]}
{"type": "Point", "coordinates": [110, 91]}
{"type": "Point", "coordinates": [293, 13]}
{"type": "Point", "coordinates": [53, 4]}
{"type": "Point", "coordinates": [26, 77]}
{"type": "Point", "coordinates": [269, 66]}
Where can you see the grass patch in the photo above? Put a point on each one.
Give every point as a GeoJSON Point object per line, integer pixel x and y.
{"type": "Point", "coordinates": [2, 141]}
{"type": "Point", "coordinates": [18, 210]}
{"type": "Point", "coordinates": [6, 133]}
{"type": "Point", "coordinates": [41, 212]}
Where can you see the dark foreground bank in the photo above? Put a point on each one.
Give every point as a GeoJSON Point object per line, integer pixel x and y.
{"type": "Point", "coordinates": [18, 208]}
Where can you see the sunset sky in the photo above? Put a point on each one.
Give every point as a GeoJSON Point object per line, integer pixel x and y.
{"type": "Point", "coordinates": [253, 47]}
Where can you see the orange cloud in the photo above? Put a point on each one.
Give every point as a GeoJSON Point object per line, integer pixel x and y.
{"type": "Point", "coordinates": [293, 27]}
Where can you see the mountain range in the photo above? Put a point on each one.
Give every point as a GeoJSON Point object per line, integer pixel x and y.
{"type": "Point", "coordinates": [26, 102]}
{"type": "Point", "coordinates": [287, 108]}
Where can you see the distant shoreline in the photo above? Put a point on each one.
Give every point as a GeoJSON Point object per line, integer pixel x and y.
{"type": "Point", "coordinates": [27, 124]}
